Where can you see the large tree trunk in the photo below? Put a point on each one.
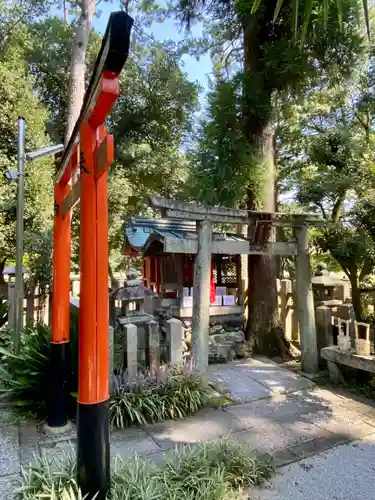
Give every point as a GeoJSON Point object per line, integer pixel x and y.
{"type": "Point", "coordinates": [262, 291]}
{"type": "Point", "coordinates": [263, 330]}
{"type": "Point", "coordinates": [76, 88]}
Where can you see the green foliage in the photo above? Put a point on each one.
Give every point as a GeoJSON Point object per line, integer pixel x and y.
{"type": "Point", "coordinates": [218, 470]}
{"type": "Point", "coordinates": [353, 249]}
{"type": "Point", "coordinates": [50, 479]}
{"type": "Point", "coordinates": [18, 97]}
{"type": "Point", "coordinates": [169, 394]}
{"type": "Point", "coordinates": [47, 54]}
{"type": "Point", "coordinates": [5, 340]}
{"type": "Point", "coordinates": [3, 310]}
{"type": "Point", "coordinates": [256, 58]}
{"type": "Point", "coordinates": [224, 164]}
{"type": "Point", "coordinates": [24, 377]}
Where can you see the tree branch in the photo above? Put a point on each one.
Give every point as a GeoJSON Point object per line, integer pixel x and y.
{"type": "Point", "coordinates": [338, 206]}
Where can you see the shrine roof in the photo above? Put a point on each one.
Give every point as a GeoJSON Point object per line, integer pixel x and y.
{"type": "Point", "coordinates": [140, 233]}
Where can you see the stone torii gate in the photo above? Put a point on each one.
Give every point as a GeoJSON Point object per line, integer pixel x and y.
{"type": "Point", "coordinates": [260, 226]}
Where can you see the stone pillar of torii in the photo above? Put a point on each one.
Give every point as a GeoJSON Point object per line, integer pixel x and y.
{"type": "Point", "coordinates": [261, 225]}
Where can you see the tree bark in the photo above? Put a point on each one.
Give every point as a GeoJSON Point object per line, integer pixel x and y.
{"type": "Point", "coordinates": [263, 327]}
{"type": "Point", "coordinates": [356, 296]}
{"type": "Point", "coordinates": [76, 87]}
{"type": "Point", "coordinates": [262, 291]}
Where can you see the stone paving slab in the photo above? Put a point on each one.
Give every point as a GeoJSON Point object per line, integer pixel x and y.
{"type": "Point", "coordinates": [279, 413]}
{"type": "Point", "coordinates": [205, 425]}
{"type": "Point", "coordinates": [9, 416]}
{"type": "Point", "coordinates": [275, 378]}
{"type": "Point", "coordinates": [248, 380]}
{"type": "Point", "coordinates": [345, 472]}
{"type": "Point", "coordinates": [59, 450]}
{"type": "Point", "coordinates": [132, 441]}
{"type": "Point", "coordinates": [28, 436]}
{"type": "Point", "coordinates": [236, 386]}
{"type": "Point", "coordinates": [8, 485]}
{"type": "Point", "coordinates": [280, 408]}
{"type": "Point", "coordinates": [9, 446]}
{"type": "Point", "coordinates": [271, 437]}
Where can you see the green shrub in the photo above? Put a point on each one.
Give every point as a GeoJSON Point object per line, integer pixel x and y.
{"type": "Point", "coordinates": [212, 471]}
{"type": "Point", "coordinates": [24, 377]}
{"type": "Point", "coordinates": [169, 393]}
{"type": "Point", "coordinates": [3, 310]}
{"type": "Point", "coordinates": [6, 339]}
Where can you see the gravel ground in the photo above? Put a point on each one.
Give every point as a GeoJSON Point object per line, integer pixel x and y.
{"type": "Point", "coordinates": [342, 473]}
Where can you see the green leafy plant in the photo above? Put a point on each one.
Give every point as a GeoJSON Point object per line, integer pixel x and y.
{"type": "Point", "coordinates": [5, 339]}
{"type": "Point", "coordinates": [24, 377]}
{"type": "Point", "coordinates": [3, 310]}
{"type": "Point", "coordinates": [51, 479]}
{"type": "Point", "coordinates": [169, 393]}
{"type": "Point", "coordinates": [218, 470]}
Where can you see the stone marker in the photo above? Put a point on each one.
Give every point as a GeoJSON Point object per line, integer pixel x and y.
{"type": "Point", "coordinates": [131, 349]}
{"type": "Point", "coordinates": [174, 340]}
{"type": "Point", "coordinates": [323, 316]}
{"type": "Point", "coordinates": [286, 304]}
{"type": "Point", "coordinates": [154, 345]}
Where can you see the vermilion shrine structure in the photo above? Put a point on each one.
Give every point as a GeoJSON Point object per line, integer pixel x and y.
{"type": "Point", "coordinates": [86, 158]}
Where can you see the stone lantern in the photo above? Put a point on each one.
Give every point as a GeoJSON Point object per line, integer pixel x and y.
{"type": "Point", "coordinates": [328, 290]}
{"type": "Point", "coordinates": [134, 293]}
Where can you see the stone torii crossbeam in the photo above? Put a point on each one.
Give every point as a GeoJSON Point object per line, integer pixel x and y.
{"type": "Point", "coordinates": [260, 227]}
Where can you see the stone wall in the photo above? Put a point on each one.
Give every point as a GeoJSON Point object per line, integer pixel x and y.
{"type": "Point", "coordinates": [226, 341]}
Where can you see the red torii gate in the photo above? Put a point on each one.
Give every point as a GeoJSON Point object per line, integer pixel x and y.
{"type": "Point", "coordinates": [89, 152]}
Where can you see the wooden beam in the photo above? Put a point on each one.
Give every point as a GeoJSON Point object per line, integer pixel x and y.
{"type": "Point", "coordinates": [72, 199]}
{"type": "Point", "coordinates": [292, 221]}
{"type": "Point", "coordinates": [104, 156]}
{"type": "Point", "coordinates": [195, 208]}
{"type": "Point", "coordinates": [190, 246]}
{"type": "Point", "coordinates": [195, 211]}
{"type": "Point", "coordinates": [179, 214]}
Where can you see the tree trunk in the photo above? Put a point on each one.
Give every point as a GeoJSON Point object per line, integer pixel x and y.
{"type": "Point", "coordinates": [76, 88]}
{"type": "Point", "coordinates": [356, 296]}
{"type": "Point", "coordinates": [262, 291]}
{"type": "Point", "coordinates": [263, 329]}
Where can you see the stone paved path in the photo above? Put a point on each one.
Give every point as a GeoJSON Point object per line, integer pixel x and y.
{"type": "Point", "coordinates": [275, 412]}
{"type": "Point", "coordinates": [345, 472]}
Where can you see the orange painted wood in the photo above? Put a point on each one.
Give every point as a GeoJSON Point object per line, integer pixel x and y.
{"type": "Point", "coordinates": [88, 370]}
{"type": "Point", "coordinates": [106, 94]}
{"type": "Point", "coordinates": [102, 295]}
{"type": "Point", "coordinates": [61, 270]}
{"type": "Point", "coordinates": [104, 155]}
